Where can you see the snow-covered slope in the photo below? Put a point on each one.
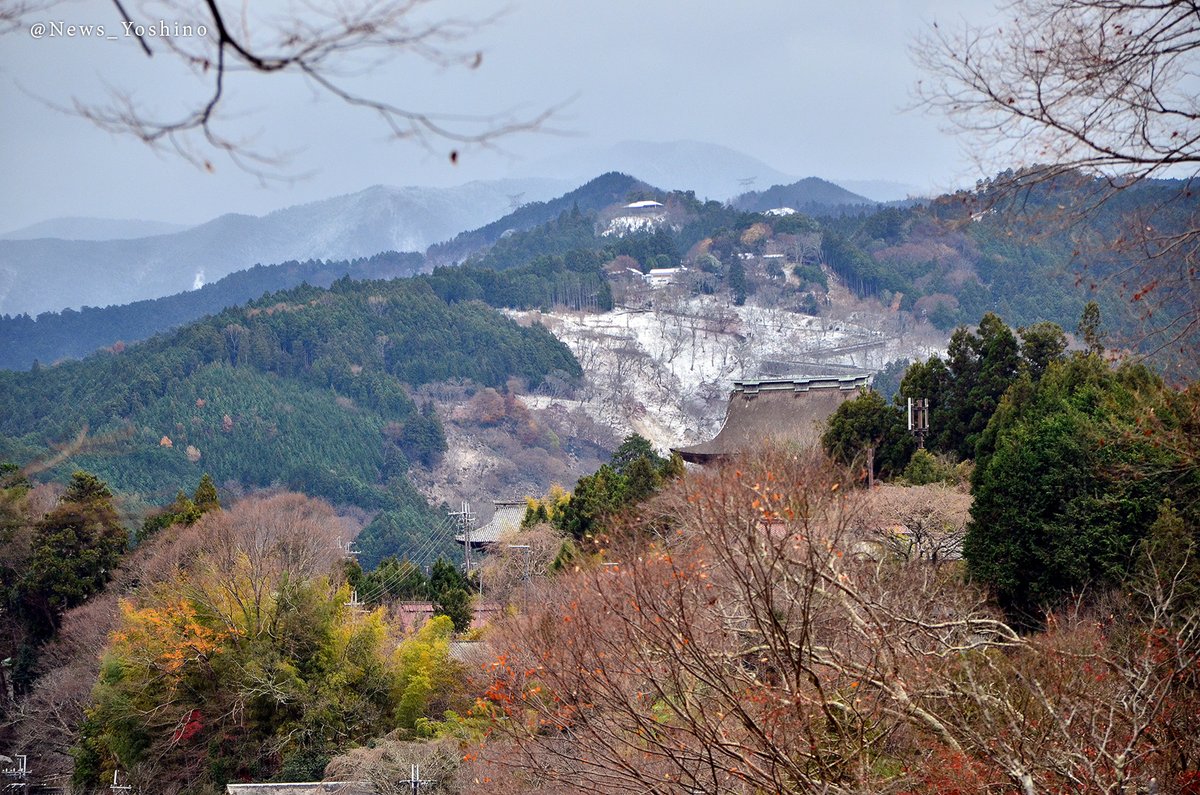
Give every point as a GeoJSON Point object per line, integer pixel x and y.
{"type": "Point", "coordinates": [666, 373]}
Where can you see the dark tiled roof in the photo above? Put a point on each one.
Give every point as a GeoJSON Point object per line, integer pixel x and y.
{"type": "Point", "coordinates": [509, 515]}
{"type": "Point", "coordinates": [777, 409]}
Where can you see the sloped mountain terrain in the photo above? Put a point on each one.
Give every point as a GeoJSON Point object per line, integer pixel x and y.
{"type": "Point", "coordinates": [76, 228]}
{"type": "Point", "coordinates": [308, 389]}
{"type": "Point", "coordinates": [709, 170]}
{"type": "Point", "coordinates": [52, 336]}
{"type": "Point", "coordinates": [50, 274]}
{"type": "Point", "coordinates": [812, 196]}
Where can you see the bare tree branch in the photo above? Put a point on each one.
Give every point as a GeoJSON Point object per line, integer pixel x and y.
{"type": "Point", "coordinates": [325, 44]}
{"type": "Point", "coordinates": [1099, 88]}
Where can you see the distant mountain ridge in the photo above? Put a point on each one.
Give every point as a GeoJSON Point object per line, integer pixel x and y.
{"type": "Point", "coordinates": [53, 336]}
{"type": "Point", "coordinates": [712, 171]}
{"type": "Point", "coordinates": [596, 194]}
{"type": "Point", "coordinates": [71, 333]}
{"type": "Point", "coordinates": [810, 195]}
{"type": "Point", "coordinates": [49, 274]}
{"type": "Point", "coordinates": [77, 228]}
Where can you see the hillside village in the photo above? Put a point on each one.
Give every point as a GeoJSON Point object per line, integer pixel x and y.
{"type": "Point", "coordinates": [600, 466]}
{"type": "Point", "coordinates": [638, 354]}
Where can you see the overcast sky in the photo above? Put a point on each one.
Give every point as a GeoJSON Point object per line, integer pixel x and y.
{"type": "Point", "coordinates": [810, 88]}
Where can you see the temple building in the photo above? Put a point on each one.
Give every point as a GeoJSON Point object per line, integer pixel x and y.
{"type": "Point", "coordinates": [789, 410]}
{"type": "Point", "coordinates": [509, 515]}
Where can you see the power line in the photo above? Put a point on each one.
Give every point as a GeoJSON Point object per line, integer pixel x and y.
{"type": "Point", "coordinates": [442, 532]}
{"type": "Point", "coordinates": [467, 517]}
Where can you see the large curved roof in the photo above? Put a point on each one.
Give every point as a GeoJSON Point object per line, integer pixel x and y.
{"type": "Point", "coordinates": [509, 515]}
{"type": "Point", "coordinates": [776, 410]}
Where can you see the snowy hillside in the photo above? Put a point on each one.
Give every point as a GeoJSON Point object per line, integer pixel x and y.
{"type": "Point", "coordinates": [666, 373]}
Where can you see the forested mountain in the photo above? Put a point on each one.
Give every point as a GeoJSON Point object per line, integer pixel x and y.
{"type": "Point", "coordinates": [48, 274]}
{"type": "Point", "coordinates": [76, 333]}
{"type": "Point", "coordinates": [947, 261]}
{"type": "Point", "coordinates": [71, 333]}
{"type": "Point", "coordinates": [811, 195]}
{"type": "Point", "coordinates": [607, 189]}
{"type": "Point", "coordinates": [305, 388]}
{"type": "Point", "coordinates": [1036, 257]}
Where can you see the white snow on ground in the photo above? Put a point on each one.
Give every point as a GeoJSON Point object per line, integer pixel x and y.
{"type": "Point", "coordinates": [666, 373]}
{"type": "Point", "coordinates": [628, 224]}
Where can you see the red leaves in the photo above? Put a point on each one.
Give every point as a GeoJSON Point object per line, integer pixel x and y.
{"type": "Point", "coordinates": [1142, 293]}
{"type": "Point", "coordinates": [188, 728]}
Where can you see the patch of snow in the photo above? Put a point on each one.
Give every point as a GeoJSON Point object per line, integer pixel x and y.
{"type": "Point", "coordinates": [666, 372]}
{"type": "Point", "coordinates": [631, 224]}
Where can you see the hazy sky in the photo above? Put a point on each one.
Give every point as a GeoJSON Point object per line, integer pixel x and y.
{"type": "Point", "coordinates": [811, 88]}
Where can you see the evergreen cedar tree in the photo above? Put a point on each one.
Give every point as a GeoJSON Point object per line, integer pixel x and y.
{"type": "Point", "coordinates": [868, 421]}
{"type": "Point", "coordinates": [1074, 481]}
{"type": "Point", "coordinates": [402, 580]}
{"type": "Point", "coordinates": [1072, 457]}
{"type": "Point", "coordinates": [634, 472]}
{"type": "Point", "coordinates": [963, 389]}
{"type": "Point", "coordinates": [450, 592]}
{"type": "Point", "coordinates": [76, 547]}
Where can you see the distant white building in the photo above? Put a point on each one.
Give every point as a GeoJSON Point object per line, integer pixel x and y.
{"type": "Point", "coordinates": [661, 277]}
{"type": "Point", "coordinates": [780, 211]}
{"type": "Point", "coordinates": [647, 204]}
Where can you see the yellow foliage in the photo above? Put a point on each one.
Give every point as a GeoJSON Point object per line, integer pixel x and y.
{"type": "Point", "coordinates": [166, 637]}
{"type": "Point", "coordinates": [755, 233]}
{"type": "Point", "coordinates": [552, 504]}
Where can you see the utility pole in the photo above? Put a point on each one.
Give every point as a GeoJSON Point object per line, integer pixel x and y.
{"type": "Point", "coordinates": [466, 518]}
{"type": "Point", "coordinates": [414, 778]}
{"type": "Point", "coordinates": [918, 419]}
{"type": "Point", "coordinates": [19, 772]}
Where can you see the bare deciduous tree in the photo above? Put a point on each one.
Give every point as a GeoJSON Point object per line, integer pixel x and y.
{"type": "Point", "coordinates": [327, 45]}
{"type": "Point", "coordinates": [749, 649]}
{"type": "Point", "coordinates": [746, 652]}
{"type": "Point", "coordinates": [245, 557]}
{"type": "Point", "coordinates": [916, 522]}
{"type": "Point", "coordinates": [1105, 88]}
{"type": "Point", "coordinates": [519, 558]}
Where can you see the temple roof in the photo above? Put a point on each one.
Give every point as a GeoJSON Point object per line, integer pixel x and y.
{"type": "Point", "coordinates": [776, 409]}
{"type": "Point", "coordinates": [509, 515]}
